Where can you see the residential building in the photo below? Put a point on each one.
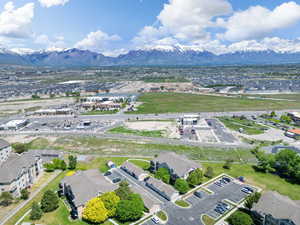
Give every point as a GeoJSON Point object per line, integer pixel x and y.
{"type": "Point", "coordinates": [47, 155]}
{"type": "Point", "coordinates": [179, 166]}
{"type": "Point", "coordinates": [165, 190]}
{"type": "Point", "coordinates": [5, 150]}
{"type": "Point", "coordinates": [275, 209]}
{"type": "Point", "coordinates": [83, 186]}
{"type": "Point", "coordinates": [134, 171]}
{"type": "Point", "coordinates": [19, 172]}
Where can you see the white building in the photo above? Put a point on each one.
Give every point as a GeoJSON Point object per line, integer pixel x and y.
{"type": "Point", "coordinates": [14, 125]}
{"type": "Point", "coordinates": [5, 150]}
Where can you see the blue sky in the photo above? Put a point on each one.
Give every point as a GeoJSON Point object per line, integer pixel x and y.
{"type": "Point", "coordinates": [116, 26]}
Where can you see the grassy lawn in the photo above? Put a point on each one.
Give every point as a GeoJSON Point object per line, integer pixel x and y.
{"type": "Point", "coordinates": [52, 186]}
{"type": "Point", "coordinates": [179, 102]}
{"type": "Point", "coordinates": [98, 112]}
{"type": "Point", "coordinates": [279, 96]}
{"type": "Point", "coordinates": [182, 203]}
{"type": "Point", "coordinates": [249, 127]}
{"type": "Point", "coordinates": [162, 215]}
{"type": "Point", "coordinates": [265, 181]}
{"type": "Point", "coordinates": [100, 163]}
{"type": "Point", "coordinates": [145, 133]}
{"type": "Point", "coordinates": [208, 220]}
{"type": "Point", "coordinates": [141, 163]}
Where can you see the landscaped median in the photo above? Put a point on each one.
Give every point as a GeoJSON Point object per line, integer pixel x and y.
{"type": "Point", "coordinates": [182, 203]}
{"type": "Point", "coordinates": [145, 133]}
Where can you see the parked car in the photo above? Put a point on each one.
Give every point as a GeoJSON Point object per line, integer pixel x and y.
{"type": "Point", "coordinates": [198, 194]}
{"type": "Point", "coordinates": [228, 180]}
{"type": "Point", "coordinates": [155, 219]}
{"type": "Point", "coordinates": [108, 173]}
{"type": "Point", "coordinates": [116, 180]}
{"type": "Point", "coordinates": [245, 190]}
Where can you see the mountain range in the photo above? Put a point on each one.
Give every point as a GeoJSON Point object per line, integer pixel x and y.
{"type": "Point", "coordinates": [160, 57]}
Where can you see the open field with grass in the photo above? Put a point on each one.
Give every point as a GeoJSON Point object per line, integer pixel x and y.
{"type": "Point", "coordinates": [178, 102]}
{"type": "Point", "coordinates": [145, 165]}
{"type": "Point", "coordinates": [266, 181]}
{"type": "Point", "coordinates": [249, 127]}
{"type": "Point", "coordinates": [110, 147]}
{"type": "Point", "coordinates": [295, 97]}
{"type": "Point", "coordinates": [145, 133]}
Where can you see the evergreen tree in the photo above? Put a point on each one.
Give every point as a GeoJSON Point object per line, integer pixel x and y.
{"type": "Point", "coordinates": [195, 177]}
{"type": "Point", "coordinates": [36, 212]}
{"type": "Point", "coordinates": [49, 202]}
{"type": "Point", "coordinates": [72, 162]}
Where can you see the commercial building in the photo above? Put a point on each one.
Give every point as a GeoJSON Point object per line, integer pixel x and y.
{"type": "Point", "coordinates": [165, 190]}
{"type": "Point", "coordinates": [14, 125]}
{"type": "Point", "coordinates": [134, 171]}
{"type": "Point", "coordinates": [295, 116]}
{"type": "Point", "coordinates": [53, 112]}
{"type": "Point", "coordinates": [5, 150]}
{"type": "Point", "coordinates": [294, 133]}
{"type": "Point", "coordinates": [275, 209]}
{"type": "Point", "coordinates": [19, 172]}
{"type": "Point", "coordinates": [83, 186]}
{"type": "Point", "coordinates": [179, 166]}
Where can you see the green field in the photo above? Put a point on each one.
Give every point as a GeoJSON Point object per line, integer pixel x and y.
{"type": "Point", "coordinates": [178, 102]}
{"type": "Point", "coordinates": [145, 133]}
{"type": "Point", "coordinates": [295, 97]}
{"type": "Point", "coordinates": [249, 127]}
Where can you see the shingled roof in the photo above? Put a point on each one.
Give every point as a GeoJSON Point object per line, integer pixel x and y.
{"type": "Point", "coordinates": [279, 206]}
{"type": "Point", "coordinates": [12, 168]}
{"type": "Point", "coordinates": [88, 184]}
{"type": "Point", "coordinates": [179, 163]}
{"type": "Point", "coordinates": [3, 144]}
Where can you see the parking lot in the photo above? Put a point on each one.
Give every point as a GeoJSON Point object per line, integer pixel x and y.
{"type": "Point", "coordinates": [221, 132]}
{"type": "Point", "coordinates": [229, 193]}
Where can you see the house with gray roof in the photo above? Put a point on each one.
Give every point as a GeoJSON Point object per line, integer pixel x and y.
{"type": "Point", "coordinates": [83, 186]}
{"type": "Point", "coordinates": [5, 150]}
{"type": "Point", "coordinates": [165, 190]}
{"type": "Point", "coordinates": [134, 171]}
{"type": "Point", "coordinates": [47, 155]}
{"type": "Point", "coordinates": [179, 166]}
{"type": "Point", "coordinates": [276, 209]}
{"type": "Point", "coordinates": [19, 172]}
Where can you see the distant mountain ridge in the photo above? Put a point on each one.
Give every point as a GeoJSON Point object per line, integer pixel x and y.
{"type": "Point", "coordinates": [160, 57]}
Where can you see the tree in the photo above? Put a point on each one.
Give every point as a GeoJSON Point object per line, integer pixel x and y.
{"type": "Point", "coordinates": [209, 172]}
{"type": "Point", "coordinates": [72, 162]}
{"type": "Point", "coordinates": [131, 209]}
{"type": "Point", "coordinates": [95, 211]}
{"type": "Point", "coordinates": [49, 201]}
{"type": "Point", "coordinates": [273, 114]}
{"type": "Point", "coordinates": [6, 198]}
{"type": "Point", "coordinates": [110, 200]}
{"type": "Point", "coordinates": [240, 218]}
{"type": "Point", "coordinates": [20, 147]}
{"type": "Point", "coordinates": [266, 162]}
{"type": "Point", "coordinates": [228, 164]}
{"type": "Point", "coordinates": [251, 199]}
{"type": "Point", "coordinates": [182, 186]}
{"type": "Point", "coordinates": [24, 194]}
{"type": "Point", "coordinates": [63, 165]}
{"type": "Point", "coordinates": [123, 190]}
{"type": "Point", "coordinates": [36, 212]}
{"type": "Point", "coordinates": [287, 163]}
{"type": "Point", "coordinates": [285, 119]}
{"type": "Point", "coordinates": [195, 177]}
{"type": "Point", "coordinates": [163, 174]}
{"type": "Point", "coordinates": [49, 167]}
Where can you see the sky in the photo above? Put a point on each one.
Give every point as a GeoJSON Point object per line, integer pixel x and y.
{"type": "Point", "coordinates": [113, 27]}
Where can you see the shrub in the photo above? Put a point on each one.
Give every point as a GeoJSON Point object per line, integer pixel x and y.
{"type": "Point", "coordinates": [240, 218]}
{"type": "Point", "coordinates": [49, 201]}
{"type": "Point", "coordinates": [6, 198]}
{"type": "Point", "coordinates": [36, 212]}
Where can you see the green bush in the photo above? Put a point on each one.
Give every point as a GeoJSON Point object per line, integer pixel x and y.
{"type": "Point", "coordinates": [182, 186]}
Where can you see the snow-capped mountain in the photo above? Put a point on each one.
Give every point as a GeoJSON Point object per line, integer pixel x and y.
{"type": "Point", "coordinates": [159, 55]}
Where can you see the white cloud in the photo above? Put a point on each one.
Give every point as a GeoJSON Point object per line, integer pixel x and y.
{"type": "Point", "coordinates": [258, 22]}
{"type": "Point", "coordinates": [57, 42]}
{"type": "Point", "coordinates": [188, 19]}
{"type": "Point", "coordinates": [96, 41]}
{"type": "Point", "coordinates": [50, 3]}
{"type": "Point", "coordinates": [15, 22]}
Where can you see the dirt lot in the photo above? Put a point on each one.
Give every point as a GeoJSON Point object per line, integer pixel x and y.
{"type": "Point", "coordinates": [18, 106]}
{"type": "Point", "coordinates": [169, 127]}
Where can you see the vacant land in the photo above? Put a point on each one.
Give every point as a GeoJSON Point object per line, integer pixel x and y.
{"type": "Point", "coordinates": [145, 133]}
{"type": "Point", "coordinates": [249, 127]}
{"type": "Point", "coordinates": [108, 147]}
{"type": "Point", "coordinates": [295, 97]}
{"type": "Point", "coordinates": [266, 181]}
{"type": "Point", "coordinates": [177, 102]}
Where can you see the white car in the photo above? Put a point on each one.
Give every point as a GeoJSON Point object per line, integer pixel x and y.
{"type": "Point", "coordinates": [155, 219]}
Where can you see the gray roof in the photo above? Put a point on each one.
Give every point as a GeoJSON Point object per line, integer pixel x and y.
{"type": "Point", "coordinates": [88, 184]}
{"type": "Point", "coordinates": [3, 144]}
{"type": "Point", "coordinates": [279, 206]}
{"type": "Point", "coordinates": [133, 168]}
{"type": "Point", "coordinates": [47, 155]}
{"type": "Point", "coordinates": [148, 199]}
{"type": "Point", "coordinates": [161, 186]}
{"type": "Point", "coordinates": [179, 163]}
{"type": "Point", "coordinates": [12, 168]}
